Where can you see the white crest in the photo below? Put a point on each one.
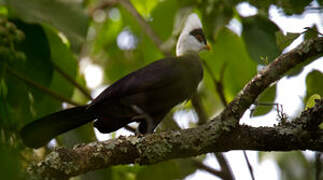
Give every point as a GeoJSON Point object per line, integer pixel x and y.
{"type": "Point", "coordinates": [192, 22]}
{"type": "Point", "coordinates": [187, 42]}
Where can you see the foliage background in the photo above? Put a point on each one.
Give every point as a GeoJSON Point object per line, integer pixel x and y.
{"type": "Point", "coordinates": [40, 39]}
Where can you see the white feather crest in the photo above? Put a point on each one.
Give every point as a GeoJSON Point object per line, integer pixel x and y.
{"type": "Point", "coordinates": [192, 22]}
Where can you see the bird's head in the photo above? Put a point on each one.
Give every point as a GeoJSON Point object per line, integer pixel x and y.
{"type": "Point", "coordinates": [192, 38]}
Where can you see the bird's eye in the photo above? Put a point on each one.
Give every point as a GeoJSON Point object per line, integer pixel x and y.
{"type": "Point", "coordinates": [199, 37]}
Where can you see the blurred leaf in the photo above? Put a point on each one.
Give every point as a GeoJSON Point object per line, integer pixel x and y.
{"type": "Point", "coordinates": [163, 17]}
{"type": "Point", "coordinates": [10, 165]}
{"type": "Point", "coordinates": [174, 169]}
{"type": "Point", "coordinates": [216, 15]}
{"type": "Point", "coordinates": [64, 59]}
{"type": "Point", "coordinates": [3, 10]}
{"type": "Point", "coordinates": [124, 172]}
{"type": "Point", "coordinates": [293, 165]}
{"type": "Point", "coordinates": [314, 84]}
{"type": "Point", "coordinates": [259, 36]}
{"type": "Point", "coordinates": [321, 126]}
{"type": "Point", "coordinates": [144, 7]}
{"type": "Point", "coordinates": [83, 134]}
{"type": "Point", "coordinates": [66, 16]}
{"type": "Point", "coordinates": [311, 32]}
{"type": "Point", "coordinates": [16, 105]}
{"type": "Point", "coordinates": [3, 88]}
{"type": "Point", "coordinates": [293, 6]}
{"type": "Point", "coordinates": [268, 96]}
{"type": "Point", "coordinates": [311, 101]}
{"type": "Point", "coordinates": [120, 62]}
{"type": "Point", "coordinates": [285, 40]}
{"type": "Point", "coordinates": [320, 2]}
{"type": "Point", "coordinates": [38, 65]}
{"type": "Point", "coordinates": [229, 51]}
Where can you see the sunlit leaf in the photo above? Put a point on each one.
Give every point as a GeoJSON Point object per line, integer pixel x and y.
{"type": "Point", "coordinates": [311, 100]}
{"type": "Point", "coordinates": [314, 84]}
{"type": "Point", "coordinates": [144, 7]}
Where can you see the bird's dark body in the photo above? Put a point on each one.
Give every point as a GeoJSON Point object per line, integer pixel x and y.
{"type": "Point", "coordinates": [155, 89]}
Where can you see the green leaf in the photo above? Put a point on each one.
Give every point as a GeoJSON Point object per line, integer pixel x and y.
{"type": "Point", "coordinates": [285, 40]}
{"type": "Point", "coordinates": [321, 126]}
{"type": "Point", "coordinates": [16, 105]}
{"type": "Point", "coordinates": [64, 59]}
{"type": "Point", "coordinates": [268, 96]}
{"type": "Point", "coordinates": [68, 17]}
{"type": "Point", "coordinates": [311, 100]}
{"type": "Point", "coordinates": [294, 6]}
{"type": "Point", "coordinates": [3, 88]}
{"type": "Point", "coordinates": [163, 17]}
{"type": "Point", "coordinates": [288, 162]}
{"type": "Point", "coordinates": [216, 16]}
{"type": "Point", "coordinates": [314, 84]}
{"type": "Point", "coordinates": [229, 51]}
{"type": "Point", "coordinates": [38, 65]}
{"type": "Point", "coordinates": [174, 169]}
{"type": "Point", "coordinates": [259, 36]}
{"type": "Point", "coordinates": [320, 2]}
{"type": "Point", "coordinates": [311, 32]}
{"type": "Point", "coordinates": [10, 166]}
{"type": "Point", "coordinates": [144, 7]}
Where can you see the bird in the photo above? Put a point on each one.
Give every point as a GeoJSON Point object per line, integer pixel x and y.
{"type": "Point", "coordinates": [144, 96]}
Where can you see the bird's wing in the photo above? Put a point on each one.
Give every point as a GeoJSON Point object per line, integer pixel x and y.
{"type": "Point", "coordinates": [155, 75]}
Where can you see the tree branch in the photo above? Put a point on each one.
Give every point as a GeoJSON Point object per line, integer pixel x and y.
{"type": "Point", "coordinates": [219, 135]}
{"type": "Point", "coordinates": [150, 149]}
{"type": "Point", "coordinates": [308, 49]}
{"type": "Point", "coordinates": [208, 169]}
{"type": "Point", "coordinates": [41, 87]}
{"type": "Point", "coordinates": [82, 89]}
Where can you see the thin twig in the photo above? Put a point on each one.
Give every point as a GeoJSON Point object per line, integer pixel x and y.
{"type": "Point", "coordinates": [249, 165]}
{"type": "Point", "coordinates": [208, 169]}
{"type": "Point", "coordinates": [144, 25]}
{"type": "Point", "coordinates": [103, 5]}
{"type": "Point", "coordinates": [219, 89]}
{"type": "Point", "coordinates": [197, 105]}
{"type": "Point", "coordinates": [318, 165]}
{"type": "Point", "coordinates": [225, 168]}
{"type": "Point", "coordinates": [42, 88]}
{"type": "Point", "coordinates": [217, 83]}
{"type": "Point", "coordinates": [72, 81]}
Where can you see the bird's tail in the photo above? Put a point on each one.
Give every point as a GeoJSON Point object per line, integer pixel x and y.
{"type": "Point", "coordinates": [41, 131]}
